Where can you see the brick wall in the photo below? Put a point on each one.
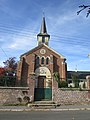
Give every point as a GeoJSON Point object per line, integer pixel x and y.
{"type": "Point", "coordinates": [27, 64]}
{"type": "Point", "coordinates": [63, 96]}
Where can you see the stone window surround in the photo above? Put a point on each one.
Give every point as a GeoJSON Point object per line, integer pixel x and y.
{"type": "Point", "coordinates": [40, 58]}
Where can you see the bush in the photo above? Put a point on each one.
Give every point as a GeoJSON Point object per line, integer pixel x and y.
{"type": "Point", "coordinates": [63, 84]}
{"type": "Point", "coordinates": [84, 85]}
{"type": "Point", "coordinates": [7, 81]}
{"type": "Point", "coordinates": [76, 84]}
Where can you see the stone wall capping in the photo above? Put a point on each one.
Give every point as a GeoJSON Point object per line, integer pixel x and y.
{"type": "Point", "coordinates": [21, 88]}
{"type": "Point", "coordinates": [73, 89]}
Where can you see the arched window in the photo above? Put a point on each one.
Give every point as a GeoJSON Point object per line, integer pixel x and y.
{"type": "Point", "coordinates": [42, 60]}
{"type": "Point", "coordinates": [37, 61]}
{"type": "Point", "coordinates": [47, 61]}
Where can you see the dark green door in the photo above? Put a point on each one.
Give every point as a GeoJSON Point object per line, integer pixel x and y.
{"type": "Point", "coordinates": [42, 94]}
{"type": "Point", "coordinates": [48, 93]}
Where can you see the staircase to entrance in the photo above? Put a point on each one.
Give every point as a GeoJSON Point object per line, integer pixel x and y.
{"type": "Point", "coordinates": [43, 104]}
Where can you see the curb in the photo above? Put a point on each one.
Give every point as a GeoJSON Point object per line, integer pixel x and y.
{"type": "Point", "coordinates": [28, 110]}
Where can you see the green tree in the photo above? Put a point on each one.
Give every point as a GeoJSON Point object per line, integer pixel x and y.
{"type": "Point", "coordinates": [57, 78]}
{"type": "Point", "coordinates": [75, 79]}
{"type": "Point", "coordinates": [9, 78]}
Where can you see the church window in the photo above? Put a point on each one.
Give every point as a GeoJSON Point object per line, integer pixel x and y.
{"type": "Point", "coordinates": [47, 61]}
{"type": "Point", "coordinates": [42, 60]}
{"type": "Point", "coordinates": [37, 60]}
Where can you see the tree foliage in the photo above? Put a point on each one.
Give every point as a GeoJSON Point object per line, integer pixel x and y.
{"type": "Point", "coordinates": [57, 78]}
{"type": "Point", "coordinates": [11, 64]}
{"type": "Point", "coordinates": [8, 78]}
{"type": "Point", "coordinates": [83, 7]}
{"type": "Point", "coordinates": [75, 79]}
{"type": "Point", "coordinates": [63, 84]}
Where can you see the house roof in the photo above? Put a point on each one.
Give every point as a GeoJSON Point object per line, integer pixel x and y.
{"type": "Point", "coordinates": [40, 46]}
{"type": "Point", "coordinates": [81, 74]}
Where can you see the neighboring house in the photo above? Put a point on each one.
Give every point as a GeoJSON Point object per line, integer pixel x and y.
{"type": "Point", "coordinates": [37, 66]}
{"type": "Point", "coordinates": [81, 75]}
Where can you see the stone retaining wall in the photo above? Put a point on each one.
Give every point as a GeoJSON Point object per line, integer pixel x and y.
{"type": "Point", "coordinates": [9, 95]}
{"type": "Point", "coordinates": [64, 96]}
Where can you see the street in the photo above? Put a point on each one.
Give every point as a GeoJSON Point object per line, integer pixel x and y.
{"type": "Point", "coordinates": [63, 115]}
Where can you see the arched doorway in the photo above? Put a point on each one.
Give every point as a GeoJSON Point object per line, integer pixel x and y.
{"type": "Point", "coordinates": [43, 84]}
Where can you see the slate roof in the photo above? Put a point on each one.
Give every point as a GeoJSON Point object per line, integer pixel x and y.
{"type": "Point", "coordinates": [81, 74]}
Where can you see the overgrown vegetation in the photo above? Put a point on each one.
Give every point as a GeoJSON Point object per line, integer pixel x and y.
{"type": "Point", "coordinates": [57, 78]}
{"type": "Point", "coordinates": [75, 79]}
{"type": "Point", "coordinates": [61, 84]}
{"type": "Point", "coordinates": [8, 76]}
{"type": "Point", "coordinates": [8, 81]}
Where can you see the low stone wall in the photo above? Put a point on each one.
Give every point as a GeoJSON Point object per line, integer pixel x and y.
{"type": "Point", "coordinates": [67, 96]}
{"type": "Point", "coordinates": [10, 95]}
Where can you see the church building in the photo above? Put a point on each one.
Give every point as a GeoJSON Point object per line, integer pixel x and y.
{"type": "Point", "coordinates": [37, 67]}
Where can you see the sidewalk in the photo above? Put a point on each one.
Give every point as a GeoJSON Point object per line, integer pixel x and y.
{"type": "Point", "coordinates": [60, 108]}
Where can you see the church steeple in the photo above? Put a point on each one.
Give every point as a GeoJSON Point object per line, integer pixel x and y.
{"type": "Point", "coordinates": [43, 26]}
{"type": "Point", "coordinates": [43, 37]}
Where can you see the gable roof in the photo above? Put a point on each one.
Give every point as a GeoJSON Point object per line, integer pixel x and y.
{"type": "Point", "coordinates": [38, 47]}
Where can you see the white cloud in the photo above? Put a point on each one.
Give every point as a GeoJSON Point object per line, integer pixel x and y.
{"type": "Point", "coordinates": [22, 43]}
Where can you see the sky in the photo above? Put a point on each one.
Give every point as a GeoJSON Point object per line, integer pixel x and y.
{"type": "Point", "coordinates": [20, 22]}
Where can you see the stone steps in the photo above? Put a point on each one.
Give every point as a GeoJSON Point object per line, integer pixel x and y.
{"type": "Point", "coordinates": [43, 104]}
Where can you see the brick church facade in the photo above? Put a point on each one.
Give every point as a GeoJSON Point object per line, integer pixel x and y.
{"type": "Point", "coordinates": [37, 66]}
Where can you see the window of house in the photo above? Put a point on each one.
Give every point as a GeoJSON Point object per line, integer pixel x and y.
{"type": "Point", "coordinates": [42, 60]}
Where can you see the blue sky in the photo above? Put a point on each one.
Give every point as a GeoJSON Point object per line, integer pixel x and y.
{"type": "Point", "coordinates": [20, 22]}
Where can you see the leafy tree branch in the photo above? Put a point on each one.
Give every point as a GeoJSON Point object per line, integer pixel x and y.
{"type": "Point", "coordinates": [83, 7]}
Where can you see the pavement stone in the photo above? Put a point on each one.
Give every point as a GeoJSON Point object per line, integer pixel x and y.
{"type": "Point", "coordinates": [60, 108]}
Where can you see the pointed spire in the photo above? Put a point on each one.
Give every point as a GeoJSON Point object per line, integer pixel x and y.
{"type": "Point", "coordinates": [43, 37]}
{"type": "Point", "coordinates": [43, 26]}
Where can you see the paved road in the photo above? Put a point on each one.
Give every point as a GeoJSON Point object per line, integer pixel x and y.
{"type": "Point", "coordinates": [64, 115]}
